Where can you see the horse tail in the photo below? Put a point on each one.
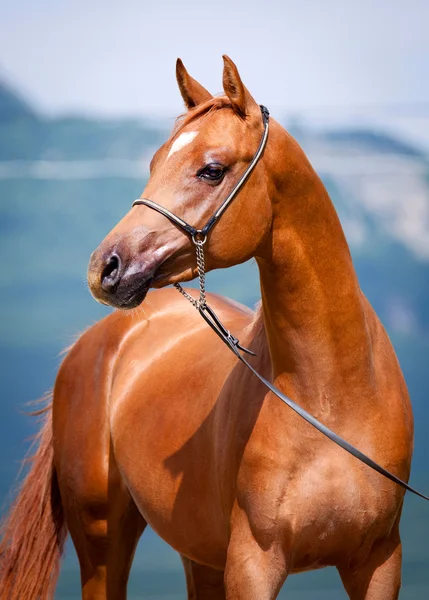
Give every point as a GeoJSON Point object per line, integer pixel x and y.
{"type": "Point", "coordinates": [33, 533]}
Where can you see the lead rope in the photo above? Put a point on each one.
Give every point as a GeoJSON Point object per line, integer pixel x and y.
{"type": "Point", "coordinates": [234, 345]}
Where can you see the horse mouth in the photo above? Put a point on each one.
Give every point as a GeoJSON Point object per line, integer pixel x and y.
{"type": "Point", "coordinates": [131, 293]}
{"type": "Point", "coordinates": [131, 298]}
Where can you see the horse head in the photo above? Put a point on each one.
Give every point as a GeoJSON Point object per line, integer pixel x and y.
{"type": "Point", "coordinates": [191, 174]}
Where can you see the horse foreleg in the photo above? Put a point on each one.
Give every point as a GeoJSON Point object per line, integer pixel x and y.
{"type": "Point", "coordinates": [379, 578]}
{"type": "Point", "coordinates": [203, 583]}
{"type": "Point", "coordinates": [257, 564]}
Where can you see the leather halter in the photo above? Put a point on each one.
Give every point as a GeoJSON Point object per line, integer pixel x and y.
{"type": "Point", "coordinates": [199, 237]}
{"type": "Point", "coordinates": [203, 233]}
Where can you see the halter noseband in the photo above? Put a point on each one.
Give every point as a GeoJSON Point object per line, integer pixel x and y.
{"type": "Point", "coordinates": [201, 234]}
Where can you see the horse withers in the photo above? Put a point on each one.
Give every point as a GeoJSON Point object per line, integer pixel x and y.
{"type": "Point", "coordinates": [154, 422]}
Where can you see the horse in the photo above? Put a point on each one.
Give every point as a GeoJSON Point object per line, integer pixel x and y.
{"type": "Point", "coordinates": [154, 422]}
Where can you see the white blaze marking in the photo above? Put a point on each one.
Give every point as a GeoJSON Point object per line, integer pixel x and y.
{"type": "Point", "coordinates": [183, 140]}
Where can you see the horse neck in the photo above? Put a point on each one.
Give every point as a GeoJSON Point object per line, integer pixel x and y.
{"type": "Point", "coordinates": [313, 308]}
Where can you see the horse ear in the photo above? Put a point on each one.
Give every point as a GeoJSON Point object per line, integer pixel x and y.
{"type": "Point", "coordinates": [193, 93]}
{"type": "Point", "coordinates": [240, 98]}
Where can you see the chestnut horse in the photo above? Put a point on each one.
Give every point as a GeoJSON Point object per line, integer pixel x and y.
{"type": "Point", "coordinates": [154, 421]}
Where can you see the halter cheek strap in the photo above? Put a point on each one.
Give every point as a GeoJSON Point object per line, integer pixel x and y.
{"type": "Point", "coordinates": [199, 238]}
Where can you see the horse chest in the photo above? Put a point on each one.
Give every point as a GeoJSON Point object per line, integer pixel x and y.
{"type": "Point", "coordinates": [324, 507]}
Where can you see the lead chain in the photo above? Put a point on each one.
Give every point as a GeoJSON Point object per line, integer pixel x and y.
{"type": "Point", "coordinates": [199, 250]}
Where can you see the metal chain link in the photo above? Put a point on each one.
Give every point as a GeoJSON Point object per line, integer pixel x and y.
{"type": "Point", "coordinates": [199, 250]}
{"type": "Point", "coordinates": [201, 271]}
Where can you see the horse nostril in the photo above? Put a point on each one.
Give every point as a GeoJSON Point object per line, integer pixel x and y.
{"type": "Point", "coordinates": [111, 273]}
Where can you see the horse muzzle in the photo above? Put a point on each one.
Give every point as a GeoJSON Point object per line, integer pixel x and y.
{"type": "Point", "coordinates": [117, 282]}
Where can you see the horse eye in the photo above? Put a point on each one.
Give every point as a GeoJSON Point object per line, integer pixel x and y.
{"type": "Point", "coordinates": [212, 172]}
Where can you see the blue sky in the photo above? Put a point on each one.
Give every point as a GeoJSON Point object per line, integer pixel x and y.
{"type": "Point", "coordinates": [328, 58]}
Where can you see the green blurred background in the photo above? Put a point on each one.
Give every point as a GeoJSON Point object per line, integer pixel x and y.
{"type": "Point", "coordinates": [67, 177]}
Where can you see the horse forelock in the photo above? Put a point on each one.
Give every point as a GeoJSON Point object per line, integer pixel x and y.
{"type": "Point", "coordinates": [203, 109]}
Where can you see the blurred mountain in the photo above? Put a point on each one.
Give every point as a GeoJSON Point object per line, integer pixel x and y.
{"type": "Point", "coordinates": [12, 106]}
{"type": "Point", "coordinates": [65, 182]}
